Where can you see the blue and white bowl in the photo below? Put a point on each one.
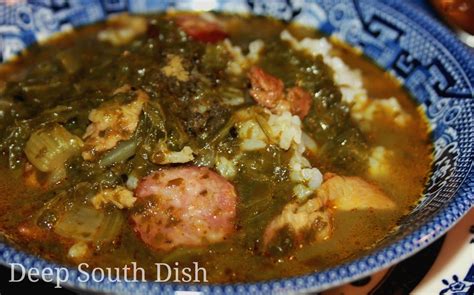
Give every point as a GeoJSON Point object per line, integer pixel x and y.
{"type": "Point", "coordinates": [427, 59]}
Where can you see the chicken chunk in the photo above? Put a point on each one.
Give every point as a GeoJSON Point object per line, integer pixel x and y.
{"type": "Point", "coordinates": [184, 206]}
{"type": "Point", "coordinates": [112, 123]}
{"type": "Point", "coordinates": [310, 221]}
{"type": "Point", "coordinates": [175, 68]}
{"type": "Point", "coordinates": [119, 196]}
{"type": "Point", "coordinates": [353, 193]}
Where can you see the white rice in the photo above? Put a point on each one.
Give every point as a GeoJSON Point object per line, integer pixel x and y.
{"type": "Point", "coordinates": [252, 136]}
{"type": "Point", "coordinates": [308, 178]}
{"type": "Point", "coordinates": [234, 101]}
{"type": "Point", "coordinates": [286, 129]}
{"type": "Point", "coordinates": [301, 191]}
{"type": "Point", "coordinates": [226, 167]}
{"type": "Point", "coordinates": [183, 156]}
{"type": "Point", "coordinates": [255, 48]}
{"type": "Point", "coordinates": [389, 107]}
{"type": "Point", "coordinates": [349, 80]}
{"type": "Point", "coordinates": [309, 143]}
{"type": "Point", "coordinates": [379, 162]}
{"type": "Point", "coordinates": [78, 250]}
{"type": "Point", "coordinates": [350, 83]}
{"type": "Point", "coordinates": [252, 145]}
{"type": "Point", "coordinates": [125, 28]}
{"type": "Point", "coordinates": [239, 61]}
{"type": "Point", "coordinates": [132, 182]}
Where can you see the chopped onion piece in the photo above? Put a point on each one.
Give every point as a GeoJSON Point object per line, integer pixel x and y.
{"type": "Point", "coordinates": [50, 147]}
{"type": "Point", "coordinates": [89, 225]}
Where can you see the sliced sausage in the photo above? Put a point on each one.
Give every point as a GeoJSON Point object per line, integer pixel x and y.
{"type": "Point", "coordinates": [300, 101]}
{"type": "Point", "coordinates": [200, 29]}
{"type": "Point", "coordinates": [269, 92]}
{"type": "Point", "coordinates": [266, 89]}
{"type": "Point", "coordinates": [184, 206]}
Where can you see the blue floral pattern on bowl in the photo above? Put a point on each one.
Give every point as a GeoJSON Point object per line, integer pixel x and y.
{"type": "Point", "coordinates": [456, 287]}
{"type": "Point", "coordinates": [426, 58]}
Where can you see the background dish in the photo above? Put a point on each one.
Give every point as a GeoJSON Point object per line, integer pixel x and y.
{"type": "Point", "coordinates": [424, 56]}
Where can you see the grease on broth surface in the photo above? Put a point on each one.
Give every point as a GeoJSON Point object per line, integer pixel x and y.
{"type": "Point", "coordinates": [186, 99]}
